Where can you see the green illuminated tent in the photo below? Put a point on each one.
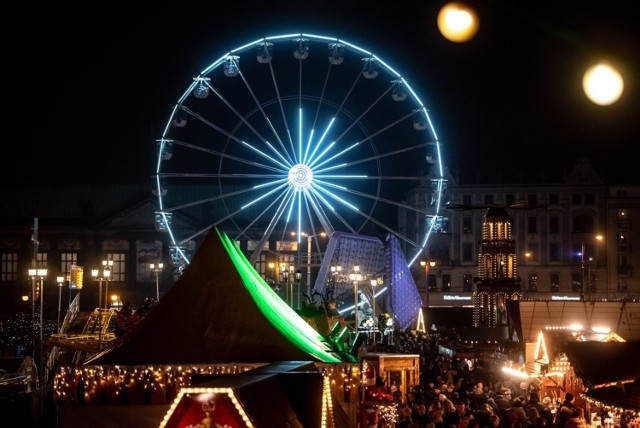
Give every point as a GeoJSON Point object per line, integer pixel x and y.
{"type": "Point", "coordinates": [220, 311]}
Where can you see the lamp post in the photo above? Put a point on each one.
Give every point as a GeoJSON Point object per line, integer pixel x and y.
{"type": "Point", "coordinates": [157, 268]}
{"type": "Point", "coordinates": [426, 264]}
{"type": "Point", "coordinates": [309, 238]}
{"type": "Point", "coordinates": [60, 280]}
{"type": "Point", "coordinates": [336, 271]}
{"type": "Point", "coordinates": [298, 277]}
{"type": "Point", "coordinates": [100, 275]}
{"type": "Point", "coordinates": [37, 276]}
{"type": "Point", "coordinates": [374, 282]}
{"type": "Point", "coordinates": [355, 276]}
{"type": "Point", "coordinates": [287, 275]}
{"type": "Point", "coordinates": [270, 280]}
{"type": "Point", "coordinates": [582, 277]}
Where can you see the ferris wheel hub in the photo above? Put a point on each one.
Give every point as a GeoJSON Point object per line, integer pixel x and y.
{"type": "Point", "coordinates": [300, 175]}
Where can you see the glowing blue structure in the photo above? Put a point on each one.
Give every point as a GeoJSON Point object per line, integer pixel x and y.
{"type": "Point", "coordinates": [397, 295]}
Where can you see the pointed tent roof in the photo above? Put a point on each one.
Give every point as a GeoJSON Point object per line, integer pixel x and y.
{"type": "Point", "coordinates": [219, 311]}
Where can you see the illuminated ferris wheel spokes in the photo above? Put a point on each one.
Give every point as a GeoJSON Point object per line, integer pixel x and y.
{"type": "Point", "coordinates": [296, 133]}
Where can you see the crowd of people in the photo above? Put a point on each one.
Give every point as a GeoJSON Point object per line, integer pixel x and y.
{"type": "Point", "coordinates": [467, 393]}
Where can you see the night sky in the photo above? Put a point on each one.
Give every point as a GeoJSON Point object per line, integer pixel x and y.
{"type": "Point", "coordinates": [88, 91]}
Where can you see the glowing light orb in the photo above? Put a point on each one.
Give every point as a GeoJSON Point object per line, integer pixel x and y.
{"type": "Point", "coordinates": [602, 84]}
{"type": "Point", "coordinates": [300, 175]}
{"type": "Point", "coordinates": [458, 22]}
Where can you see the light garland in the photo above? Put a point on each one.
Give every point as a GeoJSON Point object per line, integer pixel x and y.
{"type": "Point", "coordinates": [607, 407]}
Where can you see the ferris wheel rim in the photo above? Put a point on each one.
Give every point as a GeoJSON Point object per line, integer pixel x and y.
{"type": "Point", "coordinates": [207, 71]}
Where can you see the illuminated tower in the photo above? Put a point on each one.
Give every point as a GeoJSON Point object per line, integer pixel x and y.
{"type": "Point", "coordinates": [497, 283]}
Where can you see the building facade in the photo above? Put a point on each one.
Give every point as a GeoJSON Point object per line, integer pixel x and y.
{"type": "Point", "coordinates": [573, 239]}
{"type": "Point", "coordinates": [552, 224]}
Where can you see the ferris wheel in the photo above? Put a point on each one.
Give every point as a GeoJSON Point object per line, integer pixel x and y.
{"type": "Point", "coordinates": [296, 134]}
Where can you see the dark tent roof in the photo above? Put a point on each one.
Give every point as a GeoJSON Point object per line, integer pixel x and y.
{"type": "Point", "coordinates": [603, 362]}
{"type": "Point", "coordinates": [212, 314]}
{"type": "Point", "coordinates": [625, 396]}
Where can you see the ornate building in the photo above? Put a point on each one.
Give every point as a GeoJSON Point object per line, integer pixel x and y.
{"type": "Point", "coordinates": [497, 282]}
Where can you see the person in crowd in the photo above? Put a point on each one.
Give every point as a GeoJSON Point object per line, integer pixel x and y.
{"type": "Point", "coordinates": [124, 319]}
{"type": "Point", "coordinates": [495, 421]}
{"type": "Point", "coordinates": [517, 415]}
{"type": "Point", "coordinates": [535, 420]}
{"type": "Point", "coordinates": [565, 411]}
{"type": "Point", "coordinates": [436, 414]}
{"type": "Point", "coordinates": [447, 405]}
{"type": "Point", "coordinates": [501, 400]}
{"type": "Point", "coordinates": [404, 420]}
{"type": "Point", "coordinates": [454, 417]}
{"type": "Point", "coordinates": [491, 402]}
{"type": "Point", "coordinates": [483, 415]}
{"type": "Point", "coordinates": [546, 411]}
{"type": "Point", "coordinates": [421, 417]}
{"type": "Point", "coordinates": [577, 419]}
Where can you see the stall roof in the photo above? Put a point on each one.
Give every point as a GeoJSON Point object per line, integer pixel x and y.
{"type": "Point", "coordinates": [598, 363]}
{"type": "Point", "coordinates": [219, 311]}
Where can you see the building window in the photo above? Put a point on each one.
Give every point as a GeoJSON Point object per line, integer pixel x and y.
{"type": "Point", "coordinates": [554, 252]}
{"type": "Point", "coordinates": [554, 280]}
{"type": "Point", "coordinates": [576, 199]}
{"type": "Point", "coordinates": [440, 224]}
{"type": "Point", "coordinates": [532, 224]}
{"type": "Point", "coordinates": [466, 200]}
{"type": "Point", "coordinates": [532, 199]}
{"type": "Point", "coordinates": [9, 267]}
{"type": "Point", "coordinates": [467, 225]}
{"type": "Point", "coordinates": [583, 224]}
{"type": "Point", "coordinates": [554, 224]}
{"type": "Point", "coordinates": [467, 282]}
{"type": "Point", "coordinates": [431, 282]}
{"type": "Point", "coordinates": [532, 252]}
{"type": "Point", "coordinates": [446, 282]}
{"type": "Point", "coordinates": [118, 270]}
{"type": "Point", "coordinates": [623, 260]}
{"type": "Point", "coordinates": [554, 199]}
{"type": "Point", "coordinates": [41, 260]}
{"type": "Point", "coordinates": [488, 199]}
{"type": "Point", "coordinates": [66, 260]}
{"type": "Point", "coordinates": [253, 245]}
{"type": "Point", "coordinates": [510, 199]}
{"type": "Point", "coordinates": [261, 265]}
{"type": "Point", "coordinates": [621, 194]}
{"type": "Point", "coordinates": [576, 280]}
{"type": "Point", "coordinates": [533, 282]}
{"type": "Point", "coordinates": [467, 252]}
{"type": "Point", "coordinates": [589, 199]}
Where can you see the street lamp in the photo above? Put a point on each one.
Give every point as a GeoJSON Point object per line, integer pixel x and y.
{"type": "Point", "coordinates": [374, 282]}
{"type": "Point", "coordinates": [37, 276]}
{"type": "Point", "coordinates": [60, 280]}
{"type": "Point", "coordinates": [287, 275]}
{"type": "Point", "coordinates": [336, 272]}
{"type": "Point", "coordinates": [115, 301]}
{"type": "Point", "coordinates": [426, 264]}
{"type": "Point", "coordinates": [582, 277]}
{"type": "Point", "coordinates": [298, 277]}
{"type": "Point", "coordinates": [100, 275]}
{"type": "Point", "coordinates": [309, 238]}
{"type": "Point", "coordinates": [157, 268]}
{"type": "Point", "coordinates": [270, 280]}
{"type": "Point", "coordinates": [355, 276]}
